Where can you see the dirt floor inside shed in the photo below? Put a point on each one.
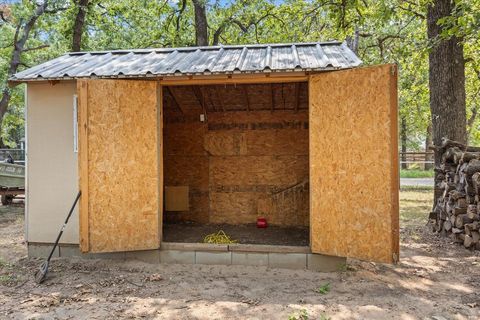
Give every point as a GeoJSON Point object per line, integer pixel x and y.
{"type": "Point", "coordinates": [434, 280]}
{"type": "Point", "coordinates": [245, 233]}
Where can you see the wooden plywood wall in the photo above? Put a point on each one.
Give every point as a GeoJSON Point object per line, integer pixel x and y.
{"type": "Point", "coordinates": [353, 163]}
{"type": "Point", "coordinates": [238, 164]}
{"type": "Point", "coordinates": [120, 176]}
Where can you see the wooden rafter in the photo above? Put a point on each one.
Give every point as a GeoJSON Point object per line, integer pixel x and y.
{"type": "Point", "coordinates": [222, 105]}
{"type": "Point", "coordinates": [208, 95]}
{"type": "Point", "coordinates": [175, 99]}
{"type": "Point", "coordinates": [199, 96]}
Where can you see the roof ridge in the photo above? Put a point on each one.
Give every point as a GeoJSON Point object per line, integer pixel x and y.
{"type": "Point", "coordinates": [194, 48]}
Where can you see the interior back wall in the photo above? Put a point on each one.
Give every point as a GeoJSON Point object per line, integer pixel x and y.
{"type": "Point", "coordinates": [239, 164]}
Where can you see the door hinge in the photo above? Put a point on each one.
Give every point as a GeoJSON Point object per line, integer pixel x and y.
{"type": "Point", "coordinates": [393, 70]}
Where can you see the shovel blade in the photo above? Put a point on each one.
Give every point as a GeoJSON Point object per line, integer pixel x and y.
{"type": "Point", "coordinates": [41, 274]}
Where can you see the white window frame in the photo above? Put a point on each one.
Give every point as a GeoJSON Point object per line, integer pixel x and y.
{"type": "Point", "coordinates": [75, 123]}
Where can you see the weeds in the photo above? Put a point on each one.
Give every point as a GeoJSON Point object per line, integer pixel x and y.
{"type": "Point", "coordinates": [303, 315]}
{"type": "Point", "coordinates": [324, 289]}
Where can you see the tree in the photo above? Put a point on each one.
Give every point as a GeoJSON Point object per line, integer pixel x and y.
{"type": "Point", "coordinates": [79, 23]}
{"type": "Point", "coordinates": [22, 33]}
{"type": "Point", "coordinates": [201, 26]}
{"type": "Point", "coordinates": [446, 80]}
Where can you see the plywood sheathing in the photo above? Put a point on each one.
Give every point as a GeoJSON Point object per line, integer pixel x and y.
{"type": "Point", "coordinates": [354, 165]}
{"type": "Point", "coordinates": [119, 165]}
{"type": "Point", "coordinates": [250, 154]}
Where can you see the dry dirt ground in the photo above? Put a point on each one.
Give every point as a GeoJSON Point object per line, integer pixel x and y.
{"type": "Point", "coordinates": [434, 280]}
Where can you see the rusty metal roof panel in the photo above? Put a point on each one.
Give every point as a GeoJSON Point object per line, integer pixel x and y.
{"type": "Point", "coordinates": [163, 62]}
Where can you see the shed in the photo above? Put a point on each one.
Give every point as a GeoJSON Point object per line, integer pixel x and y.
{"type": "Point", "coordinates": [170, 144]}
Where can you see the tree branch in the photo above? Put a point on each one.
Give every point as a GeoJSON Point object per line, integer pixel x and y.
{"type": "Point", "coordinates": [36, 48]}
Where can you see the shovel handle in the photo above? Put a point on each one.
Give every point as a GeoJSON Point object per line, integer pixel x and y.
{"type": "Point", "coordinates": [64, 225]}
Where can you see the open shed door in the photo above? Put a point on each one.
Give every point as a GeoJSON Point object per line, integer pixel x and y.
{"type": "Point", "coordinates": [120, 160]}
{"type": "Point", "coordinates": [354, 163]}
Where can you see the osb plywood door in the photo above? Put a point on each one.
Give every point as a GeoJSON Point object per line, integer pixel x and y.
{"type": "Point", "coordinates": [120, 158]}
{"type": "Point", "coordinates": [354, 164]}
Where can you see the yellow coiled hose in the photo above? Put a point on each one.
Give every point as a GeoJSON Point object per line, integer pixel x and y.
{"type": "Point", "coordinates": [219, 238]}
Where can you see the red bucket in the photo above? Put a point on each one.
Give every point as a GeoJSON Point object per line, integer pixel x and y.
{"type": "Point", "coordinates": [261, 223]}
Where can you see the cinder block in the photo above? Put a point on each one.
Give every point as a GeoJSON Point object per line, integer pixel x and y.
{"type": "Point", "coordinates": [325, 263]}
{"type": "Point", "coordinates": [70, 251]}
{"type": "Point", "coordinates": [202, 257]}
{"type": "Point", "coordinates": [106, 255]}
{"type": "Point", "coordinates": [175, 256]}
{"type": "Point", "coordinates": [287, 260]}
{"type": "Point", "coordinates": [148, 256]}
{"type": "Point", "coordinates": [41, 250]}
{"type": "Point", "coordinates": [250, 259]}
{"type": "Point", "coordinates": [267, 248]}
{"type": "Point", "coordinates": [180, 246]}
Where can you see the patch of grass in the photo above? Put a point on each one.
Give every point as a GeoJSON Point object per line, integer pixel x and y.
{"type": "Point", "coordinates": [417, 188]}
{"type": "Point", "coordinates": [303, 315]}
{"type": "Point", "coordinates": [5, 279]}
{"type": "Point", "coordinates": [324, 289]}
{"type": "Point", "coordinates": [416, 173]}
{"type": "Point", "coordinates": [344, 267]}
{"type": "Point", "coordinates": [415, 204]}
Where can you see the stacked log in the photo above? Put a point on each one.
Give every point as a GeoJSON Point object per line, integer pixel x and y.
{"type": "Point", "coordinates": [457, 210]}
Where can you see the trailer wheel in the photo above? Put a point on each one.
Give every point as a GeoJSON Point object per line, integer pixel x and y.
{"type": "Point", "coordinates": [7, 200]}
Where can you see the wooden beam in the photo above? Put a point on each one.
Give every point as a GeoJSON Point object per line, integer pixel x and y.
{"type": "Point", "coordinates": [209, 96]}
{"type": "Point", "coordinates": [222, 105]}
{"type": "Point", "coordinates": [82, 92]}
{"type": "Point", "coordinates": [199, 96]}
{"type": "Point", "coordinates": [175, 99]}
{"type": "Point", "coordinates": [182, 81]}
{"type": "Point", "coordinates": [245, 92]}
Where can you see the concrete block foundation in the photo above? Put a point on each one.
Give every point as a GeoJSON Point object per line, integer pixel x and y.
{"type": "Point", "coordinates": [193, 253]}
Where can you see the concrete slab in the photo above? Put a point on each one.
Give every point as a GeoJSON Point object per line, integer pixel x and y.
{"type": "Point", "coordinates": [287, 260]}
{"type": "Point", "coordinates": [180, 246]}
{"type": "Point", "coordinates": [250, 259]}
{"type": "Point", "coordinates": [268, 248]}
{"type": "Point", "coordinates": [176, 256]}
{"type": "Point", "coordinates": [325, 263]}
{"type": "Point", "coordinates": [106, 255]}
{"type": "Point", "coordinates": [202, 257]}
{"type": "Point", "coordinates": [148, 256]}
{"type": "Point", "coordinates": [41, 250]}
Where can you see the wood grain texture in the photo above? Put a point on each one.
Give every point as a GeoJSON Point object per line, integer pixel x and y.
{"type": "Point", "coordinates": [82, 93]}
{"type": "Point", "coordinates": [353, 164]}
{"type": "Point", "coordinates": [121, 165]}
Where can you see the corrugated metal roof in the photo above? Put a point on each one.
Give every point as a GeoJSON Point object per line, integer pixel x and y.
{"type": "Point", "coordinates": [317, 56]}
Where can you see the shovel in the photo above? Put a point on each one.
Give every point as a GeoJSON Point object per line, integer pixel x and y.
{"type": "Point", "coordinates": [41, 274]}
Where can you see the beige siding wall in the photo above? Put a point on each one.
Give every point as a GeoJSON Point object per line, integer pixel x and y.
{"type": "Point", "coordinates": [52, 171]}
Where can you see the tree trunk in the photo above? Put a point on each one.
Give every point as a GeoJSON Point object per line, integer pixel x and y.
{"type": "Point", "coordinates": [78, 26]}
{"type": "Point", "coordinates": [353, 41]}
{"type": "Point", "coordinates": [428, 143]}
{"type": "Point", "coordinates": [21, 36]}
{"type": "Point", "coordinates": [403, 136]}
{"type": "Point", "coordinates": [446, 82]}
{"type": "Point", "coordinates": [201, 31]}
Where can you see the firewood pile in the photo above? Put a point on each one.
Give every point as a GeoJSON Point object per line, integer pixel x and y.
{"type": "Point", "coordinates": [457, 189]}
